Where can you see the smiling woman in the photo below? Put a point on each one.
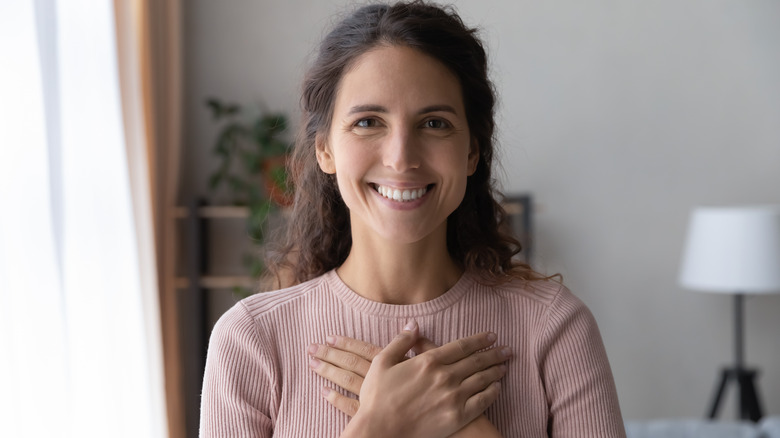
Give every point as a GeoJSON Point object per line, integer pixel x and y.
{"type": "Point", "coordinates": [400, 282]}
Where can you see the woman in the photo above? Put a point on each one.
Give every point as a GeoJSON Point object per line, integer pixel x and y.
{"type": "Point", "coordinates": [404, 313]}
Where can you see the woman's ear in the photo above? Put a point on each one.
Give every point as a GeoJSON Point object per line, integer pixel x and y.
{"type": "Point", "coordinates": [324, 155]}
{"type": "Point", "coordinates": [473, 156]}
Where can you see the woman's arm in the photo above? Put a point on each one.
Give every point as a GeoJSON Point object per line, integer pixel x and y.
{"type": "Point", "coordinates": [238, 381]}
{"type": "Point", "coordinates": [440, 392]}
{"type": "Point", "coordinates": [577, 376]}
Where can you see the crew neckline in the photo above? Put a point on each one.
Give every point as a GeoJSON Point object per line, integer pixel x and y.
{"type": "Point", "coordinates": [365, 305]}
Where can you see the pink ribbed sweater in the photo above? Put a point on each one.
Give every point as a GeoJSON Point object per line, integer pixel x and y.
{"type": "Point", "coordinates": [258, 383]}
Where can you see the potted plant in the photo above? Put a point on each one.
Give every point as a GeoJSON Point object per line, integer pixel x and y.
{"type": "Point", "coordinates": [253, 154]}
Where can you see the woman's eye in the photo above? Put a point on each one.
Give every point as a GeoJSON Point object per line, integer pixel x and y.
{"type": "Point", "coordinates": [436, 124]}
{"type": "Point", "coordinates": [365, 123]}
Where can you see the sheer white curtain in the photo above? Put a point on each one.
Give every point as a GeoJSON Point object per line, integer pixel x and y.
{"type": "Point", "coordinates": [80, 349]}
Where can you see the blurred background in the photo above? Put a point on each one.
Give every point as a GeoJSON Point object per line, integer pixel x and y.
{"type": "Point", "coordinates": [616, 118]}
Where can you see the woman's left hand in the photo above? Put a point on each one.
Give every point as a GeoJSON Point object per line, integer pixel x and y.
{"type": "Point", "coordinates": [345, 361]}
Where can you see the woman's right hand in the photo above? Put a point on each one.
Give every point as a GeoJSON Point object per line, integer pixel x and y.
{"type": "Point", "coordinates": [433, 394]}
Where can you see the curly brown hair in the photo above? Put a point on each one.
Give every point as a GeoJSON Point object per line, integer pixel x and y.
{"type": "Point", "coordinates": [317, 237]}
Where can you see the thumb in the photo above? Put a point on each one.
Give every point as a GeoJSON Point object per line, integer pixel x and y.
{"type": "Point", "coordinates": [395, 351]}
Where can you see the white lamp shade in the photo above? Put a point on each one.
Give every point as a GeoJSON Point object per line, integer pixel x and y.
{"type": "Point", "coordinates": [733, 250]}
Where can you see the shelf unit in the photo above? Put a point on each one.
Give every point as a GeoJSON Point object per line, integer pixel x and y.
{"type": "Point", "coordinates": [195, 285]}
{"type": "Point", "coordinates": [196, 214]}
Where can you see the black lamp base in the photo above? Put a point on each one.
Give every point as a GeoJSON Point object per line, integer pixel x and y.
{"type": "Point", "coordinates": [749, 406]}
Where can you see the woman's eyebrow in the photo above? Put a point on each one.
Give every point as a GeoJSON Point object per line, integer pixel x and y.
{"type": "Point", "coordinates": [380, 109]}
{"type": "Point", "coordinates": [367, 109]}
{"type": "Point", "coordinates": [438, 108]}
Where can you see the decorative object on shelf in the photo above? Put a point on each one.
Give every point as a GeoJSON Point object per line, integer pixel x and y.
{"type": "Point", "coordinates": [734, 250]}
{"type": "Point", "coordinates": [253, 157]}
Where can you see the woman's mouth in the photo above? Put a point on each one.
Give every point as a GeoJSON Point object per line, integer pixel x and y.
{"type": "Point", "coordinates": [401, 195]}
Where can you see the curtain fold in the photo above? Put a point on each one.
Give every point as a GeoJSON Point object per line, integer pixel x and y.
{"type": "Point", "coordinates": [80, 274]}
{"type": "Point", "coordinates": [150, 56]}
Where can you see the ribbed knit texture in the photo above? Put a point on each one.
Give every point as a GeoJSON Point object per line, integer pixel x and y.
{"type": "Point", "coordinates": [258, 382]}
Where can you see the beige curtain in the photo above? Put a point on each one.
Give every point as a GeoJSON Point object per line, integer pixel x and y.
{"type": "Point", "coordinates": [149, 38]}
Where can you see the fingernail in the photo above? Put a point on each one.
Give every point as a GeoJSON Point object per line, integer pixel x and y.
{"type": "Point", "coordinates": [502, 369]}
{"type": "Point", "coordinates": [506, 351]}
{"type": "Point", "coordinates": [410, 326]}
{"type": "Point", "coordinates": [312, 349]}
{"type": "Point", "coordinates": [330, 340]}
{"type": "Point", "coordinates": [492, 337]}
{"type": "Point", "coordinates": [325, 391]}
{"type": "Point", "coordinates": [314, 362]}
{"type": "Point", "coordinates": [498, 385]}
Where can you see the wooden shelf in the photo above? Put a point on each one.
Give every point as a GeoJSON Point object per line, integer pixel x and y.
{"type": "Point", "coordinates": [196, 218]}
{"type": "Point", "coordinates": [513, 208]}
{"type": "Point", "coordinates": [215, 211]}
{"type": "Point", "coordinates": [222, 212]}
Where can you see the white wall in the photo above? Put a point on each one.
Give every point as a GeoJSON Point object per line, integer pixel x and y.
{"type": "Point", "coordinates": [619, 116]}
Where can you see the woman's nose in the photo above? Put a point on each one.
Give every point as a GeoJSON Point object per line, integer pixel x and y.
{"type": "Point", "coordinates": [401, 153]}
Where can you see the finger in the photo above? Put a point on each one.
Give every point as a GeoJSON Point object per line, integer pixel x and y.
{"type": "Point", "coordinates": [464, 347]}
{"type": "Point", "coordinates": [476, 404]}
{"type": "Point", "coordinates": [363, 349]}
{"type": "Point", "coordinates": [342, 359]}
{"type": "Point", "coordinates": [424, 344]}
{"type": "Point", "coordinates": [343, 378]}
{"type": "Point", "coordinates": [480, 381]}
{"type": "Point", "coordinates": [481, 360]}
{"type": "Point", "coordinates": [395, 351]}
{"type": "Point", "coordinates": [341, 402]}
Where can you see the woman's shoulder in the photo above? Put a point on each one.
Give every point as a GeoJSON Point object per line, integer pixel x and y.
{"type": "Point", "coordinates": [543, 292]}
{"type": "Point", "coordinates": [262, 302]}
{"type": "Point", "coordinates": [250, 309]}
{"type": "Point", "coordinates": [245, 317]}
{"type": "Point", "coordinates": [552, 299]}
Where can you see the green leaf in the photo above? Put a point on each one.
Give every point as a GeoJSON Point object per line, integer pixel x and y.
{"type": "Point", "coordinates": [215, 179]}
{"type": "Point", "coordinates": [256, 267]}
{"type": "Point", "coordinates": [254, 195]}
{"type": "Point", "coordinates": [222, 147]}
{"type": "Point", "coordinates": [254, 264]}
{"type": "Point", "coordinates": [219, 109]}
{"type": "Point", "coordinates": [232, 110]}
{"type": "Point", "coordinates": [215, 106]}
{"type": "Point", "coordinates": [241, 292]}
{"type": "Point", "coordinates": [276, 148]}
{"type": "Point", "coordinates": [233, 133]}
{"type": "Point", "coordinates": [279, 177]}
{"type": "Point", "coordinates": [252, 162]}
{"type": "Point", "coordinates": [236, 183]}
{"type": "Point", "coordinates": [258, 214]}
{"type": "Point", "coordinates": [267, 128]}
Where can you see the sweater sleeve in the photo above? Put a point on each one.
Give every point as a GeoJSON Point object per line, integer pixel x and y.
{"type": "Point", "coordinates": [238, 385]}
{"type": "Point", "coordinates": [581, 392]}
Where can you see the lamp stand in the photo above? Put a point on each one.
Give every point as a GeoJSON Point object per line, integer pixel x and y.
{"type": "Point", "coordinates": [748, 407]}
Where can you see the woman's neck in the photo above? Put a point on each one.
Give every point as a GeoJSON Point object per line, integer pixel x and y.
{"type": "Point", "coordinates": [395, 273]}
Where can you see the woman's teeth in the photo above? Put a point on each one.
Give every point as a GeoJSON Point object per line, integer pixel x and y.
{"type": "Point", "coordinates": [401, 195]}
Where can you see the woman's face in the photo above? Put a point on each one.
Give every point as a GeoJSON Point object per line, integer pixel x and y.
{"type": "Point", "coordinates": [399, 145]}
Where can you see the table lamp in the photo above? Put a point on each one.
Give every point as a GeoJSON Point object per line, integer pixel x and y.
{"type": "Point", "coordinates": [734, 250]}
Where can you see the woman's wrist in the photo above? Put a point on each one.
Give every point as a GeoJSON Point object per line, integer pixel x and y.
{"type": "Point", "coordinates": [481, 427]}
{"type": "Point", "coordinates": [361, 426]}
